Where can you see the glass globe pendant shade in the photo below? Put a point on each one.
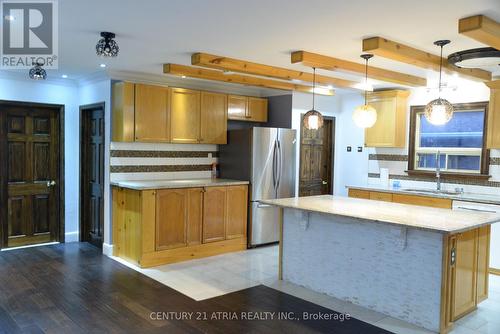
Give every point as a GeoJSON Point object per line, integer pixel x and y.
{"type": "Point", "coordinates": [37, 72]}
{"type": "Point", "coordinates": [107, 46]}
{"type": "Point", "coordinates": [364, 116]}
{"type": "Point", "coordinates": [313, 120]}
{"type": "Point", "coordinates": [439, 111]}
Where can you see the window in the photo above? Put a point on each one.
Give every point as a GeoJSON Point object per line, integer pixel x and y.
{"type": "Point", "coordinates": [460, 143]}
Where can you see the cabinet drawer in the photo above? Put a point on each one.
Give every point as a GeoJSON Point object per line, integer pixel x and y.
{"type": "Point", "coordinates": [356, 193]}
{"type": "Point", "coordinates": [380, 196]}
{"type": "Point", "coordinates": [423, 201]}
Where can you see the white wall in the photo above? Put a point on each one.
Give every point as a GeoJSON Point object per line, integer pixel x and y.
{"type": "Point", "coordinates": [96, 92]}
{"type": "Point", "coordinates": [26, 90]}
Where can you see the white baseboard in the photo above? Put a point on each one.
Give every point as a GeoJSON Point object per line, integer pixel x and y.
{"type": "Point", "coordinates": [107, 249]}
{"type": "Point", "coordinates": [72, 236]}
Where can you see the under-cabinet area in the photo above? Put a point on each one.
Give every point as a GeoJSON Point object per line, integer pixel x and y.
{"type": "Point", "coordinates": [151, 113]}
{"type": "Point", "coordinates": [166, 225]}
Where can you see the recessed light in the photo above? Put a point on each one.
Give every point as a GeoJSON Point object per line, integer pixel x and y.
{"type": "Point", "coordinates": [64, 76]}
{"type": "Point", "coordinates": [9, 17]}
{"type": "Point", "coordinates": [102, 65]}
{"type": "Point", "coordinates": [183, 76]}
{"type": "Point", "coordinates": [330, 87]}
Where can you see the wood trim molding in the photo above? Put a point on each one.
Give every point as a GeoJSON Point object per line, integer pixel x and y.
{"type": "Point", "coordinates": [406, 54]}
{"type": "Point", "coordinates": [335, 64]}
{"type": "Point", "coordinates": [201, 73]}
{"type": "Point", "coordinates": [495, 271]}
{"type": "Point", "coordinates": [246, 67]}
{"type": "Point", "coordinates": [482, 29]}
{"type": "Point", "coordinates": [485, 157]}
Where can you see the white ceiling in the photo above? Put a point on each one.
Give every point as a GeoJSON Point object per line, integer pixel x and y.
{"type": "Point", "coordinates": [153, 32]}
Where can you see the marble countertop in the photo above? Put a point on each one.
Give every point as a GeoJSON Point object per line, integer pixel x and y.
{"type": "Point", "coordinates": [467, 197]}
{"type": "Point", "coordinates": [427, 218]}
{"type": "Point", "coordinates": [172, 184]}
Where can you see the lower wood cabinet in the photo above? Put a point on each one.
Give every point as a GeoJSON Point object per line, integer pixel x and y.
{"type": "Point", "coordinates": [401, 198]}
{"type": "Point", "coordinates": [154, 227]}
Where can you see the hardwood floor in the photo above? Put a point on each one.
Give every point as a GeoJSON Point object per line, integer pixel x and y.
{"type": "Point", "coordinates": [73, 288]}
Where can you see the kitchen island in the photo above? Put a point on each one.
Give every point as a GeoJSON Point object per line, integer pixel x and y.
{"type": "Point", "coordinates": [427, 266]}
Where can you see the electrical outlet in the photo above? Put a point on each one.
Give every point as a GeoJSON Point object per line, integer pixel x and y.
{"type": "Point", "coordinates": [349, 148]}
{"type": "Point", "coordinates": [360, 149]}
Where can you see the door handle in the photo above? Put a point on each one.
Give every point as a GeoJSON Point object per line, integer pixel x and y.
{"type": "Point", "coordinates": [324, 182]}
{"type": "Point", "coordinates": [280, 165]}
{"type": "Point", "coordinates": [261, 206]}
{"type": "Point", "coordinates": [51, 183]}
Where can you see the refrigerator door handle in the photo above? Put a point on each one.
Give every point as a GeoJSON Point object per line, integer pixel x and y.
{"type": "Point", "coordinates": [280, 164]}
{"type": "Point", "coordinates": [274, 165]}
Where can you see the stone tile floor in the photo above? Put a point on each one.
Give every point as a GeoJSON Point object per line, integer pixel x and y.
{"type": "Point", "coordinates": [214, 276]}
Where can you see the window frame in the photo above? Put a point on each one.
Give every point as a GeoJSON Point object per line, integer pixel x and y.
{"type": "Point", "coordinates": [430, 172]}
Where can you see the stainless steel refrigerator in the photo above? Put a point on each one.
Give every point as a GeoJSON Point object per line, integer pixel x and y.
{"type": "Point", "coordinates": [265, 157]}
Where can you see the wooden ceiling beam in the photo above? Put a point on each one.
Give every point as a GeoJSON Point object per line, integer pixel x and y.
{"type": "Point", "coordinates": [482, 29]}
{"type": "Point", "coordinates": [201, 73]}
{"type": "Point", "coordinates": [246, 67]}
{"type": "Point", "coordinates": [336, 64]}
{"type": "Point", "coordinates": [406, 54]}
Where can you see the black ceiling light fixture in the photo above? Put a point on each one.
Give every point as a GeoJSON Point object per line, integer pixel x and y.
{"type": "Point", "coordinates": [37, 72]}
{"type": "Point", "coordinates": [107, 46]}
{"type": "Point", "coordinates": [476, 58]}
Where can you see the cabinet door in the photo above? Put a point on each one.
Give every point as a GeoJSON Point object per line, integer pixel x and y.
{"type": "Point", "coordinates": [383, 132]}
{"type": "Point", "coordinates": [493, 135]}
{"type": "Point", "coordinates": [194, 215]}
{"type": "Point", "coordinates": [152, 122]}
{"type": "Point", "coordinates": [214, 214]}
{"type": "Point", "coordinates": [185, 115]}
{"type": "Point", "coordinates": [123, 96]}
{"type": "Point", "coordinates": [237, 107]}
{"type": "Point", "coordinates": [257, 109]}
{"type": "Point", "coordinates": [213, 118]}
{"type": "Point", "coordinates": [464, 274]}
{"type": "Point", "coordinates": [483, 262]}
{"type": "Point", "coordinates": [237, 204]}
{"type": "Point", "coordinates": [171, 214]}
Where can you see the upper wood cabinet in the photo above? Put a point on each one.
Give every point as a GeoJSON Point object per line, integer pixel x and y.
{"type": "Point", "coordinates": [390, 128]}
{"type": "Point", "coordinates": [152, 117]}
{"type": "Point", "coordinates": [236, 219]}
{"type": "Point", "coordinates": [185, 115]}
{"type": "Point", "coordinates": [213, 118]}
{"type": "Point", "coordinates": [493, 135]}
{"type": "Point", "coordinates": [123, 97]}
{"type": "Point", "coordinates": [244, 108]}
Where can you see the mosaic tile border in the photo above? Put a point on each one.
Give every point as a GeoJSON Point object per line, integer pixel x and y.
{"type": "Point", "coordinates": [472, 182]}
{"type": "Point", "coordinates": [162, 154]}
{"type": "Point", "coordinates": [388, 157]}
{"type": "Point", "coordinates": [161, 169]}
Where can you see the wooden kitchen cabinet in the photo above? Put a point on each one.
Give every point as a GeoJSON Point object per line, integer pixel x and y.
{"type": "Point", "coordinates": [390, 128]}
{"type": "Point", "coordinates": [185, 115]}
{"type": "Point", "coordinates": [357, 193]}
{"type": "Point", "coordinates": [493, 133]}
{"type": "Point", "coordinates": [380, 196]}
{"type": "Point", "coordinates": [213, 118]}
{"type": "Point", "coordinates": [435, 202]}
{"type": "Point", "coordinates": [152, 117]}
{"type": "Point", "coordinates": [483, 262]}
{"type": "Point", "coordinates": [194, 215]}
{"type": "Point", "coordinates": [171, 218]}
{"type": "Point", "coordinates": [123, 109]}
{"type": "Point", "coordinates": [237, 206]}
{"type": "Point", "coordinates": [214, 214]}
{"type": "Point", "coordinates": [245, 108]}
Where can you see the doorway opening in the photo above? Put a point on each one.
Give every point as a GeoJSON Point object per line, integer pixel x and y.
{"type": "Point", "coordinates": [31, 173]}
{"type": "Point", "coordinates": [316, 159]}
{"type": "Point", "coordinates": [92, 174]}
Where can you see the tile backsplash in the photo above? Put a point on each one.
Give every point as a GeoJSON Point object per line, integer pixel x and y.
{"type": "Point", "coordinates": [154, 161]}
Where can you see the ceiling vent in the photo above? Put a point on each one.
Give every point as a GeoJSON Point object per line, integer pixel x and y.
{"type": "Point", "coordinates": [485, 58]}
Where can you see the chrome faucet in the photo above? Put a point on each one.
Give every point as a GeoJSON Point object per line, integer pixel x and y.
{"type": "Point", "coordinates": [438, 171]}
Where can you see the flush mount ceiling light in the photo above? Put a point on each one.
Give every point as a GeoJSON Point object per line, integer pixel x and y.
{"type": "Point", "coordinates": [439, 111]}
{"type": "Point", "coordinates": [37, 72]}
{"type": "Point", "coordinates": [313, 120]}
{"type": "Point", "coordinates": [107, 46]}
{"type": "Point", "coordinates": [475, 58]}
{"type": "Point", "coordinates": [365, 116]}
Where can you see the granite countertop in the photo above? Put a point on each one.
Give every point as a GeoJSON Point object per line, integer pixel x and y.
{"type": "Point", "coordinates": [413, 216]}
{"type": "Point", "coordinates": [171, 184]}
{"type": "Point", "coordinates": [467, 197]}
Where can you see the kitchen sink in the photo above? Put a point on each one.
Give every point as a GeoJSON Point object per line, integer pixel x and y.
{"type": "Point", "coordinates": [431, 191]}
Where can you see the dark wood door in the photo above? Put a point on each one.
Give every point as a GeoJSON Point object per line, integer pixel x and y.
{"type": "Point", "coordinates": [92, 171]}
{"type": "Point", "coordinates": [30, 184]}
{"type": "Point", "coordinates": [316, 159]}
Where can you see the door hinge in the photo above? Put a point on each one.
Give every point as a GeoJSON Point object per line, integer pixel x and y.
{"type": "Point", "coordinates": [453, 256]}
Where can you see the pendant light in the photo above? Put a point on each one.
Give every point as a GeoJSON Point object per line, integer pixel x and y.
{"type": "Point", "coordinates": [107, 46]}
{"type": "Point", "coordinates": [365, 116]}
{"type": "Point", "coordinates": [37, 72]}
{"type": "Point", "coordinates": [313, 120]}
{"type": "Point", "coordinates": [439, 111]}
